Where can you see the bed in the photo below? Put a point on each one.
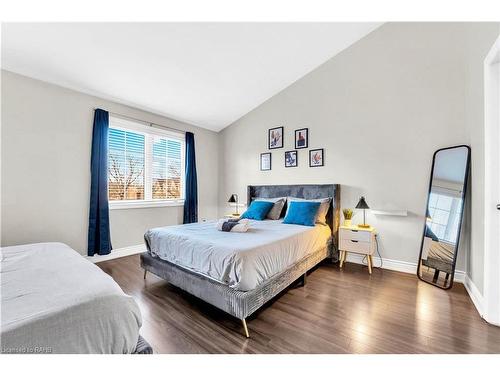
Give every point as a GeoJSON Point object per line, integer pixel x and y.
{"type": "Point", "coordinates": [53, 300]}
{"type": "Point", "coordinates": [439, 255]}
{"type": "Point", "coordinates": [240, 272]}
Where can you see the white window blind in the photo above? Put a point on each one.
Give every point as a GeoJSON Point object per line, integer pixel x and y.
{"type": "Point", "coordinates": [166, 168]}
{"type": "Point", "coordinates": [126, 165]}
{"type": "Point", "coordinates": [145, 165]}
{"type": "Point", "coordinates": [445, 211]}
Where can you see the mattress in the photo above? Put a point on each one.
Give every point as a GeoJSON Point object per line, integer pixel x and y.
{"type": "Point", "coordinates": [242, 261]}
{"type": "Point", "coordinates": [442, 251]}
{"type": "Point", "coordinates": [53, 300]}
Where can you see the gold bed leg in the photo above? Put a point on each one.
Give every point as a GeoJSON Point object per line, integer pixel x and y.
{"type": "Point", "coordinates": [145, 272]}
{"type": "Point", "coordinates": [245, 328]}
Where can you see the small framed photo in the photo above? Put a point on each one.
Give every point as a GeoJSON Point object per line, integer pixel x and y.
{"type": "Point", "coordinates": [301, 138]}
{"type": "Point", "coordinates": [265, 161]}
{"type": "Point", "coordinates": [290, 159]}
{"type": "Point", "coordinates": [317, 158]}
{"type": "Point", "coordinates": [275, 138]}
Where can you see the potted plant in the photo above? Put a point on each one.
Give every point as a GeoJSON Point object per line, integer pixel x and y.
{"type": "Point", "coordinates": [348, 213]}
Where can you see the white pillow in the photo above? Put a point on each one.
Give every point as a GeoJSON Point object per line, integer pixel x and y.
{"type": "Point", "coordinates": [275, 212]}
{"type": "Point", "coordinates": [322, 210]}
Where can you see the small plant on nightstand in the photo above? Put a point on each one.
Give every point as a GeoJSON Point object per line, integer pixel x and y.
{"type": "Point", "coordinates": [348, 213]}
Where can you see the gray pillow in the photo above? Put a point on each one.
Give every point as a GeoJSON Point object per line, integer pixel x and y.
{"type": "Point", "coordinates": [322, 211]}
{"type": "Point", "coordinates": [275, 212]}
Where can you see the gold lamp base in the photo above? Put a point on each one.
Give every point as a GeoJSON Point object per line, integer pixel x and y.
{"type": "Point", "coordinates": [366, 226]}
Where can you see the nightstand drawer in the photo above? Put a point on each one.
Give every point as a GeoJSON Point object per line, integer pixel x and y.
{"type": "Point", "coordinates": [355, 246]}
{"type": "Point", "coordinates": [352, 234]}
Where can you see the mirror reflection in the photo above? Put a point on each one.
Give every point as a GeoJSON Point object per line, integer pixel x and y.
{"type": "Point", "coordinates": [445, 205]}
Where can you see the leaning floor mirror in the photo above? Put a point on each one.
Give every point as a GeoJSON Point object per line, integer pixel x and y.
{"type": "Point", "coordinates": [444, 214]}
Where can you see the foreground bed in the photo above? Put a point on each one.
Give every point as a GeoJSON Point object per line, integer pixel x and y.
{"type": "Point", "coordinates": [55, 301]}
{"type": "Point", "coordinates": [240, 272]}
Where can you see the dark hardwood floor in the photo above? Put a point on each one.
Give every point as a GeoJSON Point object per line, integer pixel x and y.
{"type": "Point", "coordinates": [338, 311]}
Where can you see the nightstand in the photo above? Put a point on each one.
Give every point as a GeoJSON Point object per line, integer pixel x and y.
{"type": "Point", "coordinates": [353, 239]}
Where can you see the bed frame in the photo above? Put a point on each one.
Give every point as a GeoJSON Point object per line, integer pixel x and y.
{"type": "Point", "coordinates": [242, 304]}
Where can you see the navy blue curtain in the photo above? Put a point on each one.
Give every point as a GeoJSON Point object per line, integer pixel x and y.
{"type": "Point", "coordinates": [191, 191]}
{"type": "Point", "coordinates": [99, 241]}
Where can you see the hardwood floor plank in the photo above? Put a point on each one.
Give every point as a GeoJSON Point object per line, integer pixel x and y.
{"type": "Point", "coordinates": [338, 311]}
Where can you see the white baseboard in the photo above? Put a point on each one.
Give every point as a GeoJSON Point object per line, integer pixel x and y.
{"type": "Point", "coordinates": [398, 265]}
{"type": "Point", "coordinates": [475, 295]}
{"type": "Point", "coordinates": [118, 253]}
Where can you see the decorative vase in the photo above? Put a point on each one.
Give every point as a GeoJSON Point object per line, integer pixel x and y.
{"type": "Point", "coordinates": [347, 222]}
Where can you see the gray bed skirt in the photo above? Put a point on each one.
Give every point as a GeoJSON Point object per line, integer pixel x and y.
{"type": "Point", "coordinates": [237, 303]}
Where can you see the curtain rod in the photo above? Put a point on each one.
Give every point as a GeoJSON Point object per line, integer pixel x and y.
{"type": "Point", "coordinates": [149, 123]}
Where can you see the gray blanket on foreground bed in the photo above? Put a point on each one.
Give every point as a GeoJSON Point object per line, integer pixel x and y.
{"type": "Point", "coordinates": [55, 301]}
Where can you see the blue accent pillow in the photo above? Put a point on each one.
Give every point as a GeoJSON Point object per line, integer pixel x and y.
{"type": "Point", "coordinates": [302, 213]}
{"type": "Point", "coordinates": [258, 210]}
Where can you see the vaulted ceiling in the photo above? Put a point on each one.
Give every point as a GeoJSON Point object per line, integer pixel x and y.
{"type": "Point", "coordinates": [206, 74]}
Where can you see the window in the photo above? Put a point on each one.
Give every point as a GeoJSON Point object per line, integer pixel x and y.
{"type": "Point", "coordinates": [145, 165]}
{"type": "Point", "coordinates": [445, 211]}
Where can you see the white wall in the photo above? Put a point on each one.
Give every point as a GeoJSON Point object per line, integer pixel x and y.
{"type": "Point", "coordinates": [46, 143]}
{"type": "Point", "coordinates": [478, 41]}
{"type": "Point", "coordinates": [380, 109]}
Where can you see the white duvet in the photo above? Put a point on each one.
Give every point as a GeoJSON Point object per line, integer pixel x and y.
{"type": "Point", "coordinates": [241, 260]}
{"type": "Point", "coordinates": [53, 300]}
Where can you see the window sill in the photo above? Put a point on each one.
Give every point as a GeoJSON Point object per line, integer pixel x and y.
{"type": "Point", "coordinates": [125, 205]}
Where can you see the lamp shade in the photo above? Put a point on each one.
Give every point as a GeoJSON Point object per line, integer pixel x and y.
{"type": "Point", "coordinates": [362, 204]}
{"type": "Point", "coordinates": [233, 198]}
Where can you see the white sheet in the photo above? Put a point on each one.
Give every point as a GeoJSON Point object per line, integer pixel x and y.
{"type": "Point", "coordinates": [241, 260]}
{"type": "Point", "coordinates": [54, 300]}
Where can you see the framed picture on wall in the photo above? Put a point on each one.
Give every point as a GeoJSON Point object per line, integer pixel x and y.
{"type": "Point", "coordinates": [290, 159]}
{"type": "Point", "coordinates": [301, 138]}
{"type": "Point", "coordinates": [317, 157]}
{"type": "Point", "coordinates": [265, 161]}
{"type": "Point", "coordinates": [275, 138]}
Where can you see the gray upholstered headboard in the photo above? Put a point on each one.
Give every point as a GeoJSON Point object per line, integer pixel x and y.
{"type": "Point", "coordinates": [306, 192]}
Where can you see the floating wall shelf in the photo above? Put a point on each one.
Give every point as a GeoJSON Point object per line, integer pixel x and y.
{"type": "Point", "coordinates": [390, 212]}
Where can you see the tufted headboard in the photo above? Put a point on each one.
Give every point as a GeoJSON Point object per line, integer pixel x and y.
{"type": "Point", "coordinates": [306, 192]}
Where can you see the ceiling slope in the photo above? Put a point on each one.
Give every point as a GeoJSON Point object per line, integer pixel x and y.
{"type": "Point", "coordinates": [206, 74]}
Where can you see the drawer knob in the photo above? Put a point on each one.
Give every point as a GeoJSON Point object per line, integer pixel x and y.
{"type": "Point", "coordinates": [354, 230]}
{"type": "Point", "coordinates": [354, 240]}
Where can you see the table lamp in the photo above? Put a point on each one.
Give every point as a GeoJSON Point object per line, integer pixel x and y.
{"type": "Point", "coordinates": [234, 199]}
{"type": "Point", "coordinates": [363, 206]}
